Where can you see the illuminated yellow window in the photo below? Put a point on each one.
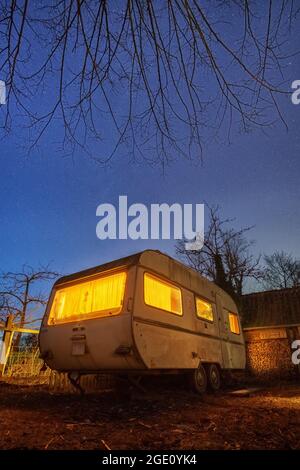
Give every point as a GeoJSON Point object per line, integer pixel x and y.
{"type": "Point", "coordinates": [99, 297]}
{"type": "Point", "coordinates": [161, 294]}
{"type": "Point", "coordinates": [234, 323]}
{"type": "Point", "coordinates": [204, 310]}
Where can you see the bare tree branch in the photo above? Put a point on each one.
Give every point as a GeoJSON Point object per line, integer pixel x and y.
{"type": "Point", "coordinates": [158, 78]}
{"type": "Point", "coordinates": [20, 293]}
{"type": "Point", "coordinates": [226, 256]}
{"type": "Point", "coordinates": [282, 271]}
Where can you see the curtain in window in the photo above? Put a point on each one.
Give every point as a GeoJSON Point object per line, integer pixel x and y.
{"type": "Point", "coordinates": [204, 309]}
{"type": "Point", "coordinates": [161, 294]}
{"type": "Point", "coordinates": [234, 323]}
{"type": "Point", "coordinates": [96, 298]}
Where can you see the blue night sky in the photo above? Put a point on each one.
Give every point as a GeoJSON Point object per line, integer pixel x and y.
{"type": "Point", "coordinates": [48, 201]}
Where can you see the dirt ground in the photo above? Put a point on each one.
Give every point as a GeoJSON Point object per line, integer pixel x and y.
{"type": "Point", "coordinates": [166, 417]}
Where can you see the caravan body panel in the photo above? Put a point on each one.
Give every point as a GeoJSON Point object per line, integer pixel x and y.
{"type": "Point", "coordinates": [146, 335]}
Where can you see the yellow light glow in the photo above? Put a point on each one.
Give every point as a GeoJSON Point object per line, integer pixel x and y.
{"type": "Point", "coordinates": [99, 297]}
{"type": "Point", "coordinates": [234, 323]}
{"type": "Point", "coordinates": [204, 310]}
{"type": "Point", "coordinates": [161, 294]}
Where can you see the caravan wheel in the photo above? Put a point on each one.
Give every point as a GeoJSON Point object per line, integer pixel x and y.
{"type": "Point", "coordinates": [199, 380]}
{"type": "Point", "coordinates": [214, 377]}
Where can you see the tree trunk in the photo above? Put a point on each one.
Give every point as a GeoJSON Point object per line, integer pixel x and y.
{"type": "Point", "coordinates": [23, 315]}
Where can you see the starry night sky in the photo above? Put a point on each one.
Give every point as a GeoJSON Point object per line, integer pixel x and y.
{"type": "Point", "coordinates": [48, 201]}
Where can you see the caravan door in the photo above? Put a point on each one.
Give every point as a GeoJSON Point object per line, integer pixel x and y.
{"type": "Point", "coordinates": [223, 332]}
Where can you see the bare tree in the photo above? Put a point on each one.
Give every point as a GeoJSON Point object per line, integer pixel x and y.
{"type": "Point", "coordinates": [30, 341]}
{"type": "Point", "coordinates": [158, 76]}
{"type": "Point", "coordinates": [21, 293]}
{"type": "Point", "coordinates": [226, 256]}
{"type": "Point", "coordinates": [282, 271]}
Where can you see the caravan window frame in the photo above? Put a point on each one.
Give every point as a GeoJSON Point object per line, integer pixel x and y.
{"type": "Point", "coordinates": [96, 314]}
{"type": "Point", "coordinates": [203, 299]}
{"type": "Point", "coordinates": [168, 283]}
{"type": "Point", "coordinates": [233, 314]}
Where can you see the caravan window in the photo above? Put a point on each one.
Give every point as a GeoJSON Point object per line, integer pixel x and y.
{"type": "Point", "coordinates": [204, 309]}
{"type": "Point", "coordinates": [162, 294]}
{"type": "Point", "coordinates": [99, 297]}
{"type": "Point", "coordinates": [234, 323]}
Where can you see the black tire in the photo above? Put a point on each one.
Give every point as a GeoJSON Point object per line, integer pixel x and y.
{"type": "Point", "coordinates": [214, 377]}
{"type": "Point", "coordinates": [198, 380]}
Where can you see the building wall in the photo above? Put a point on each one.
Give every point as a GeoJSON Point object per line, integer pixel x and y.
{"type": "Point", "coordinates": [269, 353]}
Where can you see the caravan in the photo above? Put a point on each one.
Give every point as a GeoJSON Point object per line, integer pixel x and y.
{"type": "Point", "coordinates": [146, 313]}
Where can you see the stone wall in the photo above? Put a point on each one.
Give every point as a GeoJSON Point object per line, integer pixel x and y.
{"type": "Point", "coordinates": [269, 353]}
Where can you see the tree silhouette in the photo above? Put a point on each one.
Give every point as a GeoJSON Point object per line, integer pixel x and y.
{"type": "Point", "coordinates": [226, 257]}
{"type": "Point", "coordinates": [19, 295]}
{"type": "Point", "coordinates": [158, 78]}
{"type": "Point", "coordinates": [282, 271]}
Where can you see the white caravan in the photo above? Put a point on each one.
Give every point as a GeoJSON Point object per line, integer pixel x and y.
{"type": "Point", "coordinates": [146, 313]}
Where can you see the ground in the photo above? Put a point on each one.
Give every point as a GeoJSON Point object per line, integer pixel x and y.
{"type": "Point", "coordinates": [167, 417]}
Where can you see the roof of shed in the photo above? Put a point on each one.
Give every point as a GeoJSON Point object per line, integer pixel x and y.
{"type": "Point", "coordinates": [271, 308]}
